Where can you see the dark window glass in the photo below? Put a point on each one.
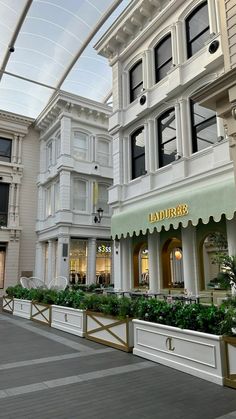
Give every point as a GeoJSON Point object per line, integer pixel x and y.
{"type": "Point", "coordinates": [197, 29]}
{"type": "Point", "coordinates": [136, 81]}
{"type": "Point", "coordinates": [4, 194]}
{"type": "Point", "coordinates": [5, 149]}
{"type": "Point", "coordinates": [138, 153]}
{"type": "Point", "coordinates": [163, 58]}
{"type": "Point", "coordinates": [167, 138]}
{"type": "Point", "coordinates": [204, 129]}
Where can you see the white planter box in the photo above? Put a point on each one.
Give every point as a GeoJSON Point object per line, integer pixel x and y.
{"type": "Point", "coordinates": [7, 304]}
{"type": "Point", "coordinates": [69, 320]}
{"type": "Point", "coordinates": [109, 330]}
{"type": "Point", "coordinates": [196, 353]}
{"type": "Point", "coordinates": [22, 308]}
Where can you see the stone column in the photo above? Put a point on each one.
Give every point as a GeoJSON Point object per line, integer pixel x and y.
{"type": "Point", "coordinates": [185, 128]}
{"type": "Point", "coordinates": [65, 188]}
{"type": "Point", "coordinates": [148, 81]}
{"type": "Point", "coordinates": [63, 256]}
{"type": "Point", "coordinates": [91, 263]}
{"type": "Point", "coordinates": [231, 236]}
{"type": "Point", "coordinates": [126, 265]}
{"type": "Point", "coordinates": [178, 130]}
{"type": "Point", "coordinates": [19, 160]}
{"type": "Point", "coordinates": [11, 219]}
{"type": "Point", "coordinates": [126, 161]}
{"type": "Point", "coordinates": [212, 16]}
{"type": "Point", "coordinates": [153, 261]}
{"type": "Point", "coordinates": [189, 258]}
{"type": "Point", "coordinates": [14, 148]}
{"type": "Point", "coordinates": [146, 145]}
{"type": "Point", "coordinates": [175, 58]}
{"type": "Point", "coordinates": [66, 136]}
{"type": "Point", "coordinates": [39, 261]}
{"type": "Point", "coordinates": [117, 262]}
{"type": "Point", "coordinates": [50, 262]}
{"type": "Point", "coordinates": [17, 205]}
{"type": "Point", "coordinates": [152, 152]}
{"type": "Point", "coordinates": [118, 159]}
{"type": "Point", "coordinates": [180, 43]}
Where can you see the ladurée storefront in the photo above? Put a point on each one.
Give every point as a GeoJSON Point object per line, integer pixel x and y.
{"type": "Point", "coordinates": [171, 239]}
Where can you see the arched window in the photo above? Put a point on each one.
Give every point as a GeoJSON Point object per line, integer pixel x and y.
{"type": "Point", "coordinates": [167, 137]}
{"type": "Point", "coordinates": [197, 29]}
{"type": "Point", "coordinates": [80, 195]}
{"type": "Point", "coordinates": [136, 80]}
{"type": "Point", "coordinates": [80, 146]}
{"type": "Point", "coordinates": [138, 153]}
{"type": "Point", "coordinates": [163, 58]}
{"type": "Point", "coordinates": [204, 128]}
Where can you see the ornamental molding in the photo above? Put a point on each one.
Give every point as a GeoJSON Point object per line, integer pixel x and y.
{"type": "Point", "coordinates": [136, 20]}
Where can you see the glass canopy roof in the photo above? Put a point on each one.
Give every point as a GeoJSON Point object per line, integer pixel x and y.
{"type": "Point", "coordinates": [48, 45]}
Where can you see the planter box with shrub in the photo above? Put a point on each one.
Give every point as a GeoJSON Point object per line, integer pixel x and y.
{"type": "Point", "coordinates": [7, 304]}
{"type": "Point", "coordinates": [22, 308]}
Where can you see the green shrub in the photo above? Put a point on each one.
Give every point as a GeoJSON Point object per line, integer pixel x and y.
{"type": "Point", "coordinates": [69, 298]}
{"type": "Point", "coordinates": [18, 291]}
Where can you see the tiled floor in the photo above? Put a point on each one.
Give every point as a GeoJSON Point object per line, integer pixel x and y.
{"type": "Point", "coordinates": [48, 374]}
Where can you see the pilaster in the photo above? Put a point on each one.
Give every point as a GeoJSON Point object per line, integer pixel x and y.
{"type": "Point", "coordinates": [91, 263]}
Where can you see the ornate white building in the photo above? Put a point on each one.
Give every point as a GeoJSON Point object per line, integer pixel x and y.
{"type": "Point", "coordinates": [174, 187]}
{"type": "Point", "coordinates": [74, 177]}
{"type": "Point", "coordinates": [19, 165]}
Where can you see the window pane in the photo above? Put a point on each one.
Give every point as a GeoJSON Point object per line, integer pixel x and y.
{"type": "Point", "coordinates": [80, 195]}
{"type": "Point", "coordinates": [138, 153]}
{"type": "Point", "coordinates": [138, 144]}
{"type": "Point", "coordinates": [138, 167]}
{"type": "Point", "coordinates": [4, 197]}
{"type": "Point", "coordinates": [198, 21]}
{"type": "Point", "coordinates": [103, 153]}
{"type": "Point", "coordinates": [163, 51]}
{"type": "Point", "coordinates": [136, 75]}
{"type": "Point", "coordinates": [78, 261]}
{"type": "Point", "coordinates": [57, 196]}
{"type": "Point", "coordinates": [80, 145]}
{"type": "Point", "coordinates": [48, 202]}
{"type": "Point", "coordinates": [103, 198]}
{"type": "Point", "coordinates": [5, 149]}
{"type": "Point", "coordinates": [162, 72]}
{"type": "Point", "coordinates": [206, 134]}
{"type": "Point", "coordinates": [198, 43]}
{"type": "Point", "coordinates": [204, 127]}
{"type": "Point", "coordinates": [167, 126]}
{"type": "Point", "coordinates": [169, 151]}
{"type": "Point", "coordinates": [200, 113]}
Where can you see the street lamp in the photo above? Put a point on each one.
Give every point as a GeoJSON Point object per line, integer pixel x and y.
{"type": "Point", "coordinates": [98, 215]}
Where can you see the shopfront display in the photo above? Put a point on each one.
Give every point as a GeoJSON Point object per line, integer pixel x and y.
{"type": "Point", "coordinates": [103, 262]}
{"type": "Point", "coordinates": [78, 261]}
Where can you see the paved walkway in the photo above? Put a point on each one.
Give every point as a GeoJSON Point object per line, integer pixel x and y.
{"type": "Point", "coordinates": [48, 374]}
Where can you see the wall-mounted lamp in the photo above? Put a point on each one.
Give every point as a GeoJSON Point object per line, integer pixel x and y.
{"type": "Point", "coordinates": [98, 215]}
{"type": "Point", "coordinates": [178, 254]}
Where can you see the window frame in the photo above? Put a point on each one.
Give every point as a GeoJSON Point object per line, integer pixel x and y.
{"type": "Point", "coordinates": [158, 68]}
{"type": "Point", "coordinates": [132, 88]}
{"type": "Point", "coordinates": [102, 153]}
{"type": "Point", "coordinates": [159, 133]}
{"type": "Point", "coordinates": [49, 153]}
{"type": "Point", "coordinates": [4, 204]}
{"type": "Point", "coordinates": [188, 18]}
{"type": "Point", "coordinates": [2, 156]}
{"type": "Point", "coordinates": [99, 203]}
{"type": "Point", "coordinates": [142, 155]}
{"type": "Point", "coordinates": [195, 126]}
{"type": "Point", "coordinates": [75, 130]}
{"type": "Point", "coordinates": [85, 181]}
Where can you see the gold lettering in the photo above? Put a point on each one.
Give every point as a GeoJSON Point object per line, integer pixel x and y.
{"type": "Point", "coordinates": [178, 211]}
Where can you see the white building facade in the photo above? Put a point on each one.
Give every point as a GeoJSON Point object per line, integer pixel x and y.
{"type": "Point", "coordinates": [74, 177]}
{"type": "Point", "coordinates": [19, 150]}
{"type": "Point", "coordinates": [173, 196]}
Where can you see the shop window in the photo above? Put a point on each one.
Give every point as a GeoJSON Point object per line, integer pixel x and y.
{"type": "Point", "coordinates": [163, 58]}
{"type": "Point", "coordinates": [103, 152]}
{"type": "Point", "coordinates": [80, 195]}
{"type": "Point", "coordinates": [167, 138]}
{"type": "Point", "coordinates": [103, 262]}
{"type": "Point", "coordinates": [197, 29]}
{"type": "Point", "coordinates": [4, 194]}
{"type": "Point", "coordinates": [136, 80]}
{"type": "Point", "coordinates": [80, 145]}
{"type": "Point", "coordinates": [204, 128]}
{"type": "Point", "coordinates": [102, 199]}
{"type": "Point", "coordinates": [5, 149]}
{"type": "Point", "coordinates": [2, 264]}
{"type": "Point", "coordinates": [172, 262]}
{"type": "Point", "coordinates": [78, 261]}
{"type": "Point", "coordinates": [214, 247]}
{"type": "Point", "coordinates": [138, 153]}
{"type": "Point", "coordinates": [144, 266]}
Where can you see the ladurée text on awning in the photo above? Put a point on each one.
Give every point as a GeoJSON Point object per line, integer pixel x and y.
{"type": "Point", "coordinates": [179, 211]}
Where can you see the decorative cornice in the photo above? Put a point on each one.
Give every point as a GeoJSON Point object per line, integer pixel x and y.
{"type": "Point", "coordinates": [19, 119]}
{"type": "Point", "coordinates": [136, 17]}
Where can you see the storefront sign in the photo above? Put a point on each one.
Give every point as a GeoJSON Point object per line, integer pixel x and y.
{"type": "Point", "coordinates": [104, 249]}
{"type": "Point", "coordinates": [178, 211]}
